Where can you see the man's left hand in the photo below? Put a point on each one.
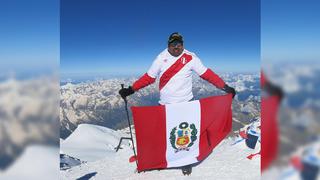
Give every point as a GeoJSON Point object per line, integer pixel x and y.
{"type": "Point", "coordinates": [229, 89]}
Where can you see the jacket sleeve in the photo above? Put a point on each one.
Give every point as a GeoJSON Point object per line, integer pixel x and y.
{"type": "Point", "coordinates": [149, 77]}
{"type": "Point", "coordinates": [213, 78]}
{"type": "Point", "coordinates": [143, 81]}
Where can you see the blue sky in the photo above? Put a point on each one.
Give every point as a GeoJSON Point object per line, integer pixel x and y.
{"type": "Point", "coordinates": [124, 37]}
{"type": "Point", "coordinates": [29, 36]}
{"type": "Point", "coordinates": [290, 30]}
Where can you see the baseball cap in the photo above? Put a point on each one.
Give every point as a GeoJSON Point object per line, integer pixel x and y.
{"type": "Point", "coordinates": [175, 37]}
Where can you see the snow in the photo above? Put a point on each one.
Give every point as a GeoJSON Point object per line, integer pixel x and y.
{"type": "Point", "coordinates": [90, 142]}
{"type": "Point", "coordinates": [28, 115]}
{"type": "Point", "coordinates": [37, 162]}
{"type": "Point", "coordinates": [225, 162]}
{"type": "Point", "coordinates": [307, 153]}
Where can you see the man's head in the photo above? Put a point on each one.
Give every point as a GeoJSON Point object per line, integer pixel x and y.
{"type": "Point", "coordinates": [175, 44]}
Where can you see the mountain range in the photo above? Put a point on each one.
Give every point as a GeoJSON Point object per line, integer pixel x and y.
{"type": "Point", "coordinates": [98, 102]}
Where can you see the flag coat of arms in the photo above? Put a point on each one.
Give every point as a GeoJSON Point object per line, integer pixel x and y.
{"type": "Point", "coordinates": [179, 134]}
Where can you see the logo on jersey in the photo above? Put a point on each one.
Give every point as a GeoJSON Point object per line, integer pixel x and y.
{"type": "Point", "coordinates": [183, 60]}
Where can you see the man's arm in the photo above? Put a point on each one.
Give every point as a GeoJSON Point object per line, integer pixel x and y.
{"type": "Point", "coordinates": [208, 75]}
{"type": "Point", "coordinates": [149, 77]}
{"type": "Point", "coordinates": [143, 81]}
{"type": "Point", "coordinates": [213, 78]}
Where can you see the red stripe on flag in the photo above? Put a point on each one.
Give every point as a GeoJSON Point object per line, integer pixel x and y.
{"type": "Point", "coordinates": [174, 69]}
{"type": "Point", "coordinates": [269, 130]}
{"type": "Point", "coordinates": [216, 122]}
{"type": "Point", "coordinates": [150, 127]}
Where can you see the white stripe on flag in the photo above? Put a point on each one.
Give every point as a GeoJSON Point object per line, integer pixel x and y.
{"type": "Point", "coordinates": [175, 115]}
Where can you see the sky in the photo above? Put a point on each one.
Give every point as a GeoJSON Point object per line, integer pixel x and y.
{"type": "Point", "coordinates": [124, 36]}
{"type": "Point", "coordinates": [29, 36]}
{"type": "Point", "coordinates": [290, 30]}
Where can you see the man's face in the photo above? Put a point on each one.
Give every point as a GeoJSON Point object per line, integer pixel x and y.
{"type": "Point", "coordinates": [175, 48]}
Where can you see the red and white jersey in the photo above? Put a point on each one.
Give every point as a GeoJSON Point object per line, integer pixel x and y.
{"type": "Point", "coordinates": [175, 86]}
{"type": "Point", "coordinates": [175, 74]}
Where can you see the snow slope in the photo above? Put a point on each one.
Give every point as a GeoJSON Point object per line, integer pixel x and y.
{"type": "Point", "coordinates": [90, 142]}
{"type": "Point", "coordinates": [307, 153]}
{"type": "Point", "coordinates": [36, 162]}
{"type": "Point", "coordinates": [28, 115]}
{"type": "Point", "coordinates": [225, 162]}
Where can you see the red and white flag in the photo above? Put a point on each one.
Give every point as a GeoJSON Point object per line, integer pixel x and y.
{"type": "Point", "coordinates": [179, 134]}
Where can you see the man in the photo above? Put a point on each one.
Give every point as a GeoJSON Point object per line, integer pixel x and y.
{"type": "Point", "coordinates": [174, 67]}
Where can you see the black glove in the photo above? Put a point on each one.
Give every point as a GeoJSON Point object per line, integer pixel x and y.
{"type": "Point", "coordinates": [273, 90]}
{"type": "Point", "coordinates": [124, 92]}
{"type": "Point", "coordinates": [229, 89]}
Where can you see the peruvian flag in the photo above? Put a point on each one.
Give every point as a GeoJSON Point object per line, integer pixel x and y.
{"type": "Point", "coordinates": [179, 134]}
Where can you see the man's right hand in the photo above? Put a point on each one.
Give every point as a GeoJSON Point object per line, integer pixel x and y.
{"type": "Point", "coordinates": [124, 92]}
